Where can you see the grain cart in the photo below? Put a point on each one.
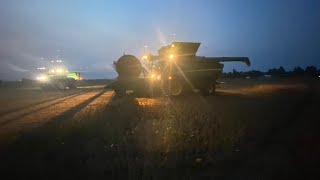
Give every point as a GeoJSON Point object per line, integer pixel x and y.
{"type": "Point", "coordinates": [133, 76]}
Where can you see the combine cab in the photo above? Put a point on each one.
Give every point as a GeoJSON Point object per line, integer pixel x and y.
{"type": "Point", "coordinates": [175, 71]}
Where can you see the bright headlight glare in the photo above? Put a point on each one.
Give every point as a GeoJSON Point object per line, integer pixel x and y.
{"type": "Point", "coordinates": [171, 56]}
{"type": "Point", "coordinates": [41, 78]}
{"type": "Point", "coordinates": [155, 77]}
{"type": "Point", "coordinates": [59, 70]}
{"type": "Point", "coordinates": [145, 57]}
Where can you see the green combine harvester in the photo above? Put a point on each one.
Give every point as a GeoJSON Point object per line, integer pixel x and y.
{"type": "Point", "coordinates": [176, 70]}
{"type": "Point", "coordinates": [57, 77]}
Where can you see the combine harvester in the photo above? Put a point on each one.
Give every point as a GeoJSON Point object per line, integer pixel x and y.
{"type": "Point", "coordinates": [175, 71]}
{"type": "Point", "coordinates": [57, 77]}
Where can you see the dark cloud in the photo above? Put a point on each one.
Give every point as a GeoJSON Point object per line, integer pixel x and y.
{"type": "Point", "coordinates": [92, 34]}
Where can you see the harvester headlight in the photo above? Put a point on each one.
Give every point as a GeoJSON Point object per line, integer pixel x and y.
{"type": "Point", "coordinates": [169, 77]}
{"type": "Point", "coordinates": [42, 78]}
{"type": "Point", "coordinates": [155, 77]}
{"type": "Point", "coordinates": [53, 71]}
{"type": "Point", "coordinates": [145, 57]}
{"type": "Point", "coordinates": [171, 56]}
{"type": "Point", "coordinates": [59, 70]}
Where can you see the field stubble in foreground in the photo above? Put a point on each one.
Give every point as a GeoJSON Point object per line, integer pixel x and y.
{"type": "Point", "coordinates": [139, 138]}
{"type": "Point", "coordinates": [128, 137]}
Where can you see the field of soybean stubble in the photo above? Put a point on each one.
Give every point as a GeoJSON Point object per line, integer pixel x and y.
{"type": "Point", "coordinates": [248, 129]}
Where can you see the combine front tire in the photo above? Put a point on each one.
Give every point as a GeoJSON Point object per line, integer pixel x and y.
{"type": "Point", "coordinates": [208, 89]}
{"type": "Point", "coordinates": [173, 87]}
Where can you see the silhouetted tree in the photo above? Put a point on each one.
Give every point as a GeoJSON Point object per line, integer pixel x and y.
{"type": "Point", "coordinates": [311, 70]}
{"type": "Point", "coordinates": [235, 73]}
{"type": "Point", "coordinates": [277, 72]}
{"type": "Point", "coordinates": [298, 71]}
{"type": "Point", "coordinates": [281, 70]}
{"type": "Point", "coordinates": [272, 71]}
{"type": "Point", "coordinates": [254, 73]}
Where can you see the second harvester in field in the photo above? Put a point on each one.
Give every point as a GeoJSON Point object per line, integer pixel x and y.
{"type": "Point", "coordinates": [57, 77]}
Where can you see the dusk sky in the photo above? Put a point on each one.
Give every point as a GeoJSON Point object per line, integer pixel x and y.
{"type": "Point", "coordinates": [92, 34]}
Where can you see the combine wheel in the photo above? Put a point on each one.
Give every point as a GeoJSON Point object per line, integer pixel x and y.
{"type": "Point", "coordinates": [59, 84]}
{"type": "Point", "coordinates": [173, 88]}
{"type": "Point", "coordinates": [208, 89]}
{"type": "Point", "coordinates": [71, 84]}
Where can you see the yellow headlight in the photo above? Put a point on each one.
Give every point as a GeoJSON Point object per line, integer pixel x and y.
{"type": "Point", "coordinates": [41, 78]}
{"type": "Point", "coordinates": [171, 56]}
{"type": "Point", "coordinates": [59, 70]}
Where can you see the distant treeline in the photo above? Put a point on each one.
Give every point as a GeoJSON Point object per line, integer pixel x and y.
{"type": "Point", "coordinates": [310, 71]}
